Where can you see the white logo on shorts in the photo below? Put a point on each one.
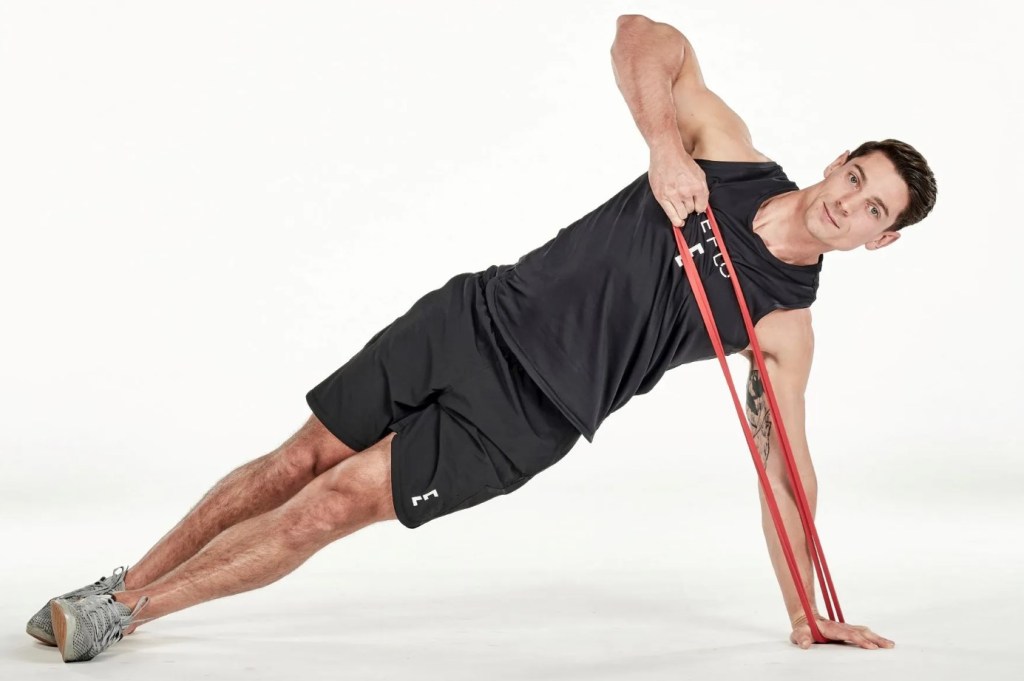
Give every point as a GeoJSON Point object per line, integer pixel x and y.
{"type": "Point", "coordinates": [431, 493]}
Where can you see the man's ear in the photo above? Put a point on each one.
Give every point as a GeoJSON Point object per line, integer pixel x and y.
{"type": "Point", "coordinates": [840, 160]}
{"type": "Point", "coordinates": [883, 240]}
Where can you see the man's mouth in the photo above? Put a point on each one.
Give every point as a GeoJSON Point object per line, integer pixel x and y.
{"type": "Point", "coordinates": [829, 216]}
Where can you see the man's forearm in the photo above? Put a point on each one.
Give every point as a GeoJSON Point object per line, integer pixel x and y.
{"type": "Point", "coordinates": [766, 438]}
{"type": "Point", "coordinates": [646, 58]}
{"type": "Point", "coordinates": [794, 529]}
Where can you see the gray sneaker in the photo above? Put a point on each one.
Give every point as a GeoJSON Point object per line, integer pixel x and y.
{"type": "Point", "coordinates": [41, 626]}
{"type": "Point", "coordinates": [86, 627]}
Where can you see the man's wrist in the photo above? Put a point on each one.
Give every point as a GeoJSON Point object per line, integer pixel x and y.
{"type": "Point", "coordinates": [667, 138]}
{"type": "Point", "coordinates": [801, 618]}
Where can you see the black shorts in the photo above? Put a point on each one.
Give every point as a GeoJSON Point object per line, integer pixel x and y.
{"type": "Point", "coordinates": [470, 424]}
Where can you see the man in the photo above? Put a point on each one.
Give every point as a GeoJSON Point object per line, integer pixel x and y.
{"type": "Point", "coordinates": [492, 378]}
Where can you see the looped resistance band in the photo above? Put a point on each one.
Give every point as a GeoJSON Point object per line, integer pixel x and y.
{"type": "Point", "coordinates": [810, 532]}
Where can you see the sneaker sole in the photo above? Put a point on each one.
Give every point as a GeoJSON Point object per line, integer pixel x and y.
{"type": "Point", "coordinates": [63, 627]}
{"type": "Point", "coordinates": [40, 635]}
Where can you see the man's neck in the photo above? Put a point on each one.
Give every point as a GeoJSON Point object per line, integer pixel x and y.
{"type": "Point", "coordinates": [780, 222]}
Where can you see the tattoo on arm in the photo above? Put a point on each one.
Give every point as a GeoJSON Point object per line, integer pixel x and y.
{"type": "Point", "coordinates": [759, 414]}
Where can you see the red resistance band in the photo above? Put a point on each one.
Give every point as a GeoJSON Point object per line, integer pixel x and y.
{"type": "Point", "coordinates": [803, 507]}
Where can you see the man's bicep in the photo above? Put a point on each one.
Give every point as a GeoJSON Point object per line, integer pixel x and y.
{"type": "Point", "coordinates": [787, 339]}
{"type": "Point", "coordinates": [792, 356]}
{"type": "Point", "coordinates": [789, 349]}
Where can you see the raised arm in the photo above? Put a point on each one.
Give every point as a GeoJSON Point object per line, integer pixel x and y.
{"type": "Point", "coordinates": [647, 58]}
{"type": "Point", "coordinates": [657, 72]}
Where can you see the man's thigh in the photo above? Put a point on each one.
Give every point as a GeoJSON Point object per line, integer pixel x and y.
{"type": "Point", "coordinates": [402, 368]}
{"type": "Point", "coordinates": [470, 424]}
{"type": "Point", "coordinates": [362, 482]}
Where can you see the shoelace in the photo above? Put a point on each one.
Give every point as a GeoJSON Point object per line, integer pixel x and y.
{"type": "Point", "coordinates": [102, 582]}
{"type": "Point", "coordinates": [803, 507]}
{"type": "Point", "coordinates": [107, 622]}
{"type": "Point", "coordinates": [117, 574]}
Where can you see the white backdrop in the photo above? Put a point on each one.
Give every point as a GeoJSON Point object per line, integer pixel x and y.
{"type": "Point", "coordinates": [207, 207]}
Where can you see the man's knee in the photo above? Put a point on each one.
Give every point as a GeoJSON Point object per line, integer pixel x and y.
{"type": "Point", "coordinates": [365, 479]}
{"type": "Point", "coordinates": [313, 449]}
{"type": "Point", "coordinates": [352, 494]}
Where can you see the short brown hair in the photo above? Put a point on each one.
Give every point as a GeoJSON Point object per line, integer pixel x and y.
{"type": "Point", "coordinates": [914, 170]}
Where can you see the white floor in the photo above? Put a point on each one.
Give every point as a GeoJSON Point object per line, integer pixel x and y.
{"type": "Point", "coordinates": [544, 584]}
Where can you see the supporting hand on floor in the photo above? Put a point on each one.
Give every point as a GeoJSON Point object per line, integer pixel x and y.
{"type": "Point", "coordinates": [837, 631]}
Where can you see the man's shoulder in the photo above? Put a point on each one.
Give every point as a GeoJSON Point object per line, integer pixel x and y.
{"type": "Point", "coordinates": [710, 129]}
{"type": "Point", "coordinates": [787, 335]}
{"type": "Point", "coordinates": [712, 147]}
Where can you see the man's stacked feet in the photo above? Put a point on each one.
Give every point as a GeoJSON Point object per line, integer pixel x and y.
{"type": "Point", "coordinates": [41, 624]}
{"type": "Point", "coordinates": [84, 622]}
{"type": "Point", "coordinates": [86, 627]}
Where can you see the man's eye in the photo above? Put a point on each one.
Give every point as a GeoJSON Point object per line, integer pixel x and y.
{"type": "Point", "coordinates": [876, 213]}
{"type": "Point", "coordinates": [854, 178]}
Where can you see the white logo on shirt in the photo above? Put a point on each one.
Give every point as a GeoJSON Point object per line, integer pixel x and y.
{"type": "Point", "coordinates": [698, 249]}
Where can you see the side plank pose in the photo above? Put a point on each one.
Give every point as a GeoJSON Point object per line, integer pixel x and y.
{"type": "Point", "coordinates": [493, 377]}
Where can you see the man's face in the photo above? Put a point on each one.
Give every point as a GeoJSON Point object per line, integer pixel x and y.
{"type": "Point", "coordinates": [857, 202]}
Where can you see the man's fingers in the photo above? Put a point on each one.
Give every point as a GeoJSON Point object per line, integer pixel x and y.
{"type": "Point", "coordinates": [682, 210]}
{"type": "Point", "coordinates": [687, 203]}
{"type": "Point", "coordinates": [880, 641]}
{"type": "Point", "coordinates": [847, 634]}
{"type": "Point", "coordinates": [673, 213]}
{"type": "Point", "coordinates": [700, 202]}
{"type": "Point", "coordinates": [871, 642]}
{"type": "Point", "coordinates": [865, 643]}
{"type": "Point", "coordinates": [678, 216]}
{"type": "Point", "coordinates": [863, 639]}
{"type": "Point", "coordinates": [678, 206]}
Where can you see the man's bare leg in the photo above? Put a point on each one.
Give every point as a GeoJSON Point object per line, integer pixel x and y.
{"type": "Point", "coordinates": [255, 552]}
{"type": "Point", "coordinates": [250, 490]}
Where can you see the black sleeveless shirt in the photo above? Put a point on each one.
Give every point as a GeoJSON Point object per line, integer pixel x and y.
{"type": "Point", "coordinates": [600, 312]}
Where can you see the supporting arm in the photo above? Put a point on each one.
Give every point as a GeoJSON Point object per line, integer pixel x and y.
{"type": "Point", "coordinates": [788, 371]}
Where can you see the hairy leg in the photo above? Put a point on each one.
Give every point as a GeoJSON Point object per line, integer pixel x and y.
{"type": "Point", "coordinates": [250, 490]}
{"type": "Point", "coordinates": [255, 552]}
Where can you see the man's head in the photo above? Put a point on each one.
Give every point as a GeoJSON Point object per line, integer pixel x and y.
{"type": "Point", "coordinates": [869, 195]}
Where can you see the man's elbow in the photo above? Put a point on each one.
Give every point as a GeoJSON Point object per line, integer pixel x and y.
{"type": "Point", "coordinates": [784, 492]}
{"type": "Point", "coordinates": [810, 487]}
{"type": "Point", "coordinates": [627, 18]}
{"type": "Point", "coordinates": [627, 25]}
{"type": "Point", "coordinates": [638, 25]}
